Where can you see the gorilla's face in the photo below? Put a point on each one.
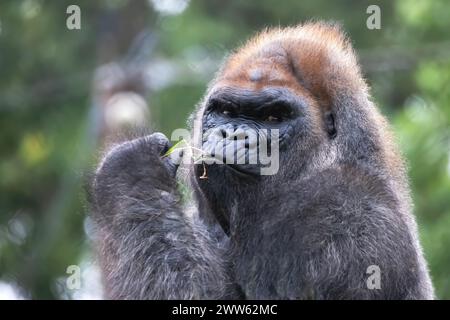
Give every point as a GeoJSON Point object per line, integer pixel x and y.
{"type": "Point", "coordinates": [240, 124]}
{"type": "Point", "coordinates": [247, 131]}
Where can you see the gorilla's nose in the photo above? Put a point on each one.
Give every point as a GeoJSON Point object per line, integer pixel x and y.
{"type": "Point", "coordinates": [231, 145]}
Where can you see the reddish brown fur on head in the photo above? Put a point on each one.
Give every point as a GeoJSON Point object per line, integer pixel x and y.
{"type": "Point", "coordinates": [314, 60]}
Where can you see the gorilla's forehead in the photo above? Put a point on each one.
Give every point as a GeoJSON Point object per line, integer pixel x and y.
{"type": "Point", "coordinates": [268, 66]}
{"type": "Point", "coordinates": [314, 61]}
{"type": "Point", "coordinates": [266, 69]}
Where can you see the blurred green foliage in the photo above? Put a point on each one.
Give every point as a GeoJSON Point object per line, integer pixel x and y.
{"type": "Point", "coordinates": [46, 74]}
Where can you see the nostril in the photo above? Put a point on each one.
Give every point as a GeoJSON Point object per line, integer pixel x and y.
{"type": "Point", "coordinates": [246, 144]}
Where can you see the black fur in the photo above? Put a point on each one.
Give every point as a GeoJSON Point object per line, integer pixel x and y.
{"type": "Point", "coordinates": [309, 232]}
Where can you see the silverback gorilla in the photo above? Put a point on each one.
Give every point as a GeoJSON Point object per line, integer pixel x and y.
{"type": "Point", "coordinates": [338, 206]}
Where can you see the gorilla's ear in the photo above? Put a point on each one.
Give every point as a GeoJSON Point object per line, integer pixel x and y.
{"type": "Point", "coordinates": [330, 124]}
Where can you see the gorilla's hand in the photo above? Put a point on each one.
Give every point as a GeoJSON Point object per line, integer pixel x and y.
{"type": "Point", "coordinates": [136, 209]}
{"type": "Point", "coordinates": [135, 170]}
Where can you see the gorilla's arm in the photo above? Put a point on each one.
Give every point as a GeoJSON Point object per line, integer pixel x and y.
{"type": "Point", "coordinates": [148, 248]}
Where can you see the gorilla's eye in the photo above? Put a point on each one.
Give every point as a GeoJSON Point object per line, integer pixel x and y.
{"type": "Point", "coordinates": [227, 109]}
{"type": "Point", "coordinates": [277, 113]}
{"type": "Point", "coordinates": [272, 118]}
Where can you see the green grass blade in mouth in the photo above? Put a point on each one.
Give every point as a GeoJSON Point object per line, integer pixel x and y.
{"type": "Point", "coordinates": [174, 147]}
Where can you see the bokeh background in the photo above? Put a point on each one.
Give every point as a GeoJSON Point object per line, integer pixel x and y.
{"type": "Point", "coordinates": [63, 92]}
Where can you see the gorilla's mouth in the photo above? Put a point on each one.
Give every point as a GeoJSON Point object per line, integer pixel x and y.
{"type": "Point", "coordinates": [245, 170]}
{"type": "Point", "coordinates": [241, 149]}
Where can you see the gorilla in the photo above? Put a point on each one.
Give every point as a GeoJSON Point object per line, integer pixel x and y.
{"type": "Point", "coordinates": [337, 207]}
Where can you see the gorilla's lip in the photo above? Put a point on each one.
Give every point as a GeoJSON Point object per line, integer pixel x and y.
{"type": "Point", "coordinates": [247, 170]}
{"type": "Point", "coordinates": [240, 170]}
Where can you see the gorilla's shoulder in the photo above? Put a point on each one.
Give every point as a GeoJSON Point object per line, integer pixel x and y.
{"type": "Point", "coordinates": [336, 197]}
{"type": "Point", "coordinates": [336, 183]}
